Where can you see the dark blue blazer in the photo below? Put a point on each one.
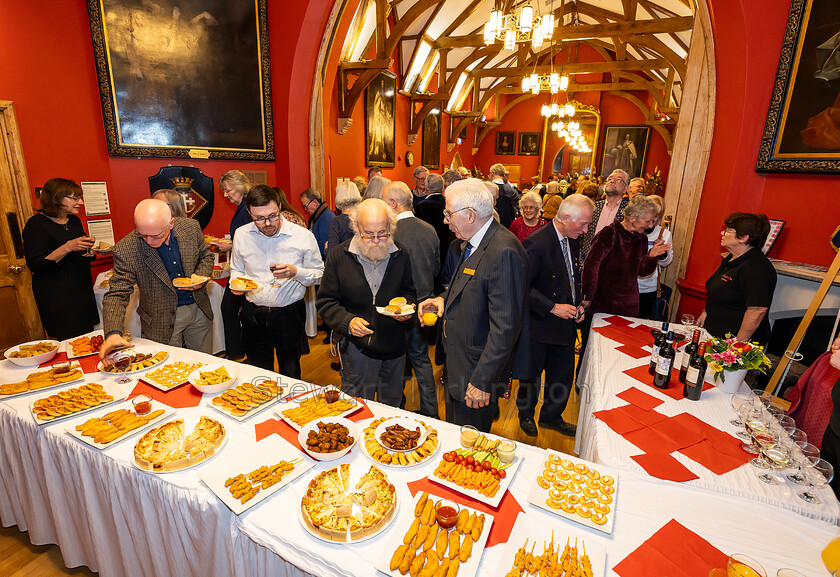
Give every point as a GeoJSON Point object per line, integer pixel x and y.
{"type": "Point", "coordinates": [240, 217]}
{"type": "Point", "coordinates": [549, 284]}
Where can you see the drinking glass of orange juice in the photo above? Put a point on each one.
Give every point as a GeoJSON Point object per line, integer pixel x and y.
{"type": "Point", "coordinates": [739, 565]}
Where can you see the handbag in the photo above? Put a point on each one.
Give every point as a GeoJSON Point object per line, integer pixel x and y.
{"type": "Point", "coordinates": [663, 294]}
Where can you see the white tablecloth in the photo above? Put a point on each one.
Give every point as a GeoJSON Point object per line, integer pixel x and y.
{"type": "Point", "coordinates": [602, 377]}
{"type": "Point", "coordinates": [132, 320]}
{"type": "Point", "coordinates": [119, 520]}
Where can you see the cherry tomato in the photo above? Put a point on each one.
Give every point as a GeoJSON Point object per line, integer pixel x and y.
{"type": "Point", "coordinates": [502, 474]}
{"type": "Point", "coordinates": [495, 473]}
{"type": "Point", "coordinates": [459, 459]}
{"type": "Point", "coordinates": [470, 461]}
{"type": "Point", "coordinates": [486, 465]}
{"type": "Point", "coordinates": [448, 457]}
{"type": "Point", "coordinates": [477, 468]}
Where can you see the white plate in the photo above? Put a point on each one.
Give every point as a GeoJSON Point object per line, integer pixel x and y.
{"type": "Point", "coordinates": [510, 472]}
{"type": "Point", "coordinates": [596, 552]}
{"type": "Point", "coordinates": [365, 424]}
{"type": "Point", "coordinates": [538, 495]}
{"type": "Point", "coordinates": [382, 311]}
{"type": "Point", "coordinates": [68, 348]}
{"type": "Point", "coordinates": [294, 401]}
{"type": "Point", "coordinates": [34, 360]}
{"type": "Point", "coordinates": [29, 392]}
{"type": "Point", "coordinates": [269, 451]}
{"type": "Point", "coordinates": [356, 473]}
{"type": "Point", "coordinates": [189, 425]}
{"type": "Point", "coordinates": [313, 426]}
{"type": "Point", "coordinates": [163, 387]}
{"type": "Point", "coordinates": [406, 422]}
{"type": "Point", "coordinates": [193, 285]}
{"type": "Point", "coordinates": [103, 250]}
{"type": "Point", "coordinates": [468, 569]}
{"type": "Point", "coordinates": [71, 428]}
{"type": "Point", "coordinates": [132, 351]}
{"type": "Point", "coordinates": [232, 371]}
{"type": "Point", "coordinates": [109, 388]}
{"type": "Point", "coordinates": [252, 412]}
{"type": "Point", "coordinates": [258, 287]}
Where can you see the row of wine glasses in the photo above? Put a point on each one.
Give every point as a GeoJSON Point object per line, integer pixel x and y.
{"type": "Point", "coordinates": [778, 445]}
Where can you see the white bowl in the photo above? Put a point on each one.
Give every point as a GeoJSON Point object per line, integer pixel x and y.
{"type": "Point", "coordinates": [313, 426]}
{"type": "Point", "coordinates": [36, 360]}
{"type": "Point", "coordinates": [406, 422]}
{"type": "Point", "coordinates": [196, 374]}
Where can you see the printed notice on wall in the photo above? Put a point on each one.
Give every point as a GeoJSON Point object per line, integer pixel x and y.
{"type": "Point", "coordinates": [101, 230]}
{"type": "Point", "coordinates": [96, 198]}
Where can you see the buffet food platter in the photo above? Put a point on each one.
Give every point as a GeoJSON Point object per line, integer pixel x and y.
{"type": "Point", "coordinates": [43, 380]}
{"type": "Point", "coordinates": [388, 457]}
{"type": "Point", "coordinates": [117, 424]}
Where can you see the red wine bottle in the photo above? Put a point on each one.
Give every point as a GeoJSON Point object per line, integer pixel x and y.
{"type": "Point", "coordinates": [690, 348]}
{"type": "Point", "coordinates": [665, 364]}
{"type": "Point", "coordinates": [657, 344]}
{"type": "Point", "coordinates": [696, 374]}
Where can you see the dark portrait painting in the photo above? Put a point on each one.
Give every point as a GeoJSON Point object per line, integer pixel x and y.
{"type": "Point", "coordinates": [380, 117]}
{"type": "Point", "coordinates": [505, 142]}
{"type": "Point", "coordinates": [802, 133]}
{"type": "Point", "coordinates": [529, 143]}
{"type": "Point", "coordinates": [431, 139]}
{"type": "Point", "coordinates": [184, 78]}
{"type": "Point", "coordinates": [625, 147]}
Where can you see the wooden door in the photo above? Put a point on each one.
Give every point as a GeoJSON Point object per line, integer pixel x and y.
{"type": "Point", "coordinates": [20, 320]}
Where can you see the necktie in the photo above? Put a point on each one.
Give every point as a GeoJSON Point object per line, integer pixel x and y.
{"type": "Point", "coordinates": [468, 252]}
{"type": "Point", "coordinates": [564, 244]}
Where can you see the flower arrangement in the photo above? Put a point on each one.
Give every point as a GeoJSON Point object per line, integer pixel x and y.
{"type": "Point", "coordinates": [653, 182]}
{"type": "Point", "coordinates": [730, 355]}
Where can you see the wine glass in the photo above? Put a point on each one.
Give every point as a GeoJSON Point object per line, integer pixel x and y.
{"type": "Point", "coordinates": [785, 572]}
{"type": "Point", "coordinates": [90, 252]}
{"type": "Point", "coordinates": [747, 408]}
{"type": "Point", "coordinates": [777, 458]}
{"type": "Point", "coordinates": [764, 439]}
{"type": "Point", "coordinates": [123, 363]}
{"type": "Point", "coordinates": [275, 282]}
{"type": "Point", "coordinates": [801, 451]}
{"type": "Point", "coordinates": [735, 402]}
{"type": "Point", "coordinates": [818, 475]}
{"type": "Point", "coordinates": [786, 424]}
{"type": "Point", "coordinates": [754, 423]}
{"type": "Point", "coordinates": [741, 566]}
{"type": "Point", "coordinates": [687, 322]}
{"type": "Point", "coordinates": [797, 436]}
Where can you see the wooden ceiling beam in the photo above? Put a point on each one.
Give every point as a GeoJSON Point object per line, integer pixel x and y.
{"type": "Point", "coordinates": [574, 68]}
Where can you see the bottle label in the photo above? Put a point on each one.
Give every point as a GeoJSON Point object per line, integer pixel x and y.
{"type": "Point", "coordinates": [692, 374]}
{"type": "Point", "coordinates": [663, 366]}
{"type": "Point", "coordinates": [686, 357]}
{"type": "Point", "coordinates": [654, 357]}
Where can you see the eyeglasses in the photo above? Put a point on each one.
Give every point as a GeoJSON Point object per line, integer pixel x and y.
{"type": "Point", "coordinates": [377, 236]}
{"type": "Point", "coordinates": [74, 198]}
{"type": "Point", "coordinates": [149, 237]}
{"type": "Point", "coordinates": [264, 219]}
{"type": "Point", "coordinates": [448, 214]}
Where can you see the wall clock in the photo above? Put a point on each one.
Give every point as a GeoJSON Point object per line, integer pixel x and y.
{"type": "Point", "coordinates": [409, 158]}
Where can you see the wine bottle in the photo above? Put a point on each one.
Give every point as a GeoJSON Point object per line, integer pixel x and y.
{"type": "Point", "coordinates": [689, 351]}
{"type": "Point", "coordinates": [657, 344]}
{"type": "Point", "coordinates": [696, 374]}
{"type": "Point", "coordinates": [665, 364]}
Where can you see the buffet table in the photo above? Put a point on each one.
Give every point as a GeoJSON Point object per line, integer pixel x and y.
{"type": "Point", "coordinates": [106, 513]}
{"type": "Point", "coordinates": [602, 377]}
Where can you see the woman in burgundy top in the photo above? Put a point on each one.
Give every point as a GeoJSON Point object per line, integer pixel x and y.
{"type": "Point", "coordinates": [619, 254]}
{"type": "Point", "coordinates": [530, 206]}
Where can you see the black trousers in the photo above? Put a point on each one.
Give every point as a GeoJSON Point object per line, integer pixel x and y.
{"type": "Point", "coordinates": [231, 306]}
{"type": "Point", "coordinates": [481, 419]}
{"type": "Point", "coordinates": [584, 326]}
{"type": "Point", "coordinates": [267, 332]}
{"type": "Point", "coordinates": [558, 362]}
{"type": "Point", "coordinates": [646, 302]}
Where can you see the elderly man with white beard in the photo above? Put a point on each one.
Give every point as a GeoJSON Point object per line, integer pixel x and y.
{"type": "Point", "coordinates": [361, 274]}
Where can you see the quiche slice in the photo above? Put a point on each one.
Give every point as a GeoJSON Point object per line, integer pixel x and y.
{"type": "Point", "coordinates": [168, 448]}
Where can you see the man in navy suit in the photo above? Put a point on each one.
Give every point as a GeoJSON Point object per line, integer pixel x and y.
{"type": "Point", "coordinates": [484, 315]}
{"type": "Point", "coordinates": [554, 302]}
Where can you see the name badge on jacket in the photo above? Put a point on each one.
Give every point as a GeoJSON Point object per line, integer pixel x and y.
{"type": "Point", "coordinates": [469, 271]}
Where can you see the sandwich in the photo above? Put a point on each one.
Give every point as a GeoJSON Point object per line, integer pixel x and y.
{"type": "Point", "coordinates": [189, 281]}
{"type": "Point", "coordinates": [242, 284]}
{"type": "Point", "coordinates": [398, 301]}
{"type": "Point", "coordinates": [393, 309]}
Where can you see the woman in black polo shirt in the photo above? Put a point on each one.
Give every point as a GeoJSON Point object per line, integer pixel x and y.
{"type": "Point", "coordinates": [740, 291]}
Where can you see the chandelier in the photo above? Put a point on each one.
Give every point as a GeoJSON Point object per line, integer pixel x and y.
{"type": "Point", "coordinates": [561, 110]}
{"type": "Point", "coordinates": [553, 83]}
{"type": "Point", "coordinates": [571, 132]}
{"type": "Point", "coordinates": [519, 28]}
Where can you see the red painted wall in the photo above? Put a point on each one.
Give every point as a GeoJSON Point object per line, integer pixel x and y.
{"type": "Point", "coordinates": [51, 78]}
{"type": "Point", "coordinates": [747, 57]}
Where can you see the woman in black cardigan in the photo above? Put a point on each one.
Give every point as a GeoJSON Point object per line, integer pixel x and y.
{"type": "Point", "coordinates": [55, 244]}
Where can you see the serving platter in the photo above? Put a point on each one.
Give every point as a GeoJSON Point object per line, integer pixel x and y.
{"type": "Point", "coordinates": [542, 537]}
{"type": "Point", "coordinates": [109, 388]}
{"type": "Point", "coordinates": [296, 400]}
{"type": "Point", "coordinates": [156, 405]}
{"type": "Point", "coordinates": [145, 350]}
{"type": "Point", "coordinates": [557, 462]}
{"type": "Point", "coordinates": [73, 365]}
{"type": "Point", "coordinates": [68, 348]}
{"type": "Point", "coordinates": [189, 426]}
{"type": "Point", "coordinates": [266, 452]}
{"type": "Point", "coordinates": [256, 410]}
{"type": "Point", "coordinates": [405, 422]}
{"type": "Point", "coordinates": [368, 437]}
{"type": "Point", "coordinates": [469, 568]}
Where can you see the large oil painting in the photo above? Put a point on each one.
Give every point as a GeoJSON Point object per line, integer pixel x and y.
{"type": "Point", "coordinates": [380, 119]}
{"type": "Point", "coordinates": [625, 147]}
{"type": "Point", "coordinates": [184, 78]}
{"type": "Point", "coordinates": [431, 139]}
{"type": "Point", "coordinates": [802, 133]}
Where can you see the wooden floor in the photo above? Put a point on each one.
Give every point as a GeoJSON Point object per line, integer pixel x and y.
{"type": "Point", "coordinates": [19, 558]}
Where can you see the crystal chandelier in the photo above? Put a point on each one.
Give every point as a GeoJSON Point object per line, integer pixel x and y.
{"type": "Point", "coordinates": [553, 83]}
{"type": "Point", "coordinates": [571, 132]}
{"type": "Point", "coordinates": [519, 28]}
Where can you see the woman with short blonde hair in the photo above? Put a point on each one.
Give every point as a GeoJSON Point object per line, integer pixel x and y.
{"type": "Point", "coordinates": [347, 198]}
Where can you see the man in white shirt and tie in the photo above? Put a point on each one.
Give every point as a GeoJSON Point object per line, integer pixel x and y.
{"type": "Point", "coordinates": [284, 259]}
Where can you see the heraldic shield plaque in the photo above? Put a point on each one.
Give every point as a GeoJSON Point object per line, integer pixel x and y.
{"type": "Point", "coordinates": [194, 187]}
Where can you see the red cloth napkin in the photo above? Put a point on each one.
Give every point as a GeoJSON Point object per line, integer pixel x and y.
{"type": "Point", "coordinates": [618, 321]}
{"type": "Point", "coordinates": [681, 435]}
{"type": "Point", "coordinates": [88, 363]}
{"type": "Point", "coordinates": [504, 516]}
{"type": "Point", "coordinates": [178, 398]}
{"type": "Point", "coordinates": [646, 418]}
{"type": "Point", "coordinates": [639, 398]}
{"type": "Point", "coordinates": [626, 335]}
{"type": "Point", "coordinates": [618, 421]}
{"type": "Point", "coordinates": [664, 466]}
{"type": "Point", "coordinates": [674, 551]}
{"type": "Point", "coordinates": [650, 441]}
{"type": "Point", "coordinates": [675, 388]}
{"type": "Point", "coordinates": [633, 351]}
